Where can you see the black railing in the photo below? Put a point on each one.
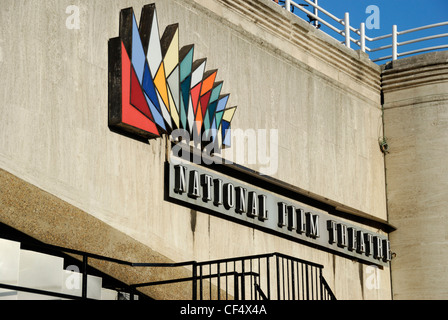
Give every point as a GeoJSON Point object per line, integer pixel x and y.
{"type": "Point", "coordinates": [259, 277]}
{"type": "Point", "coordinates": [270, 276]}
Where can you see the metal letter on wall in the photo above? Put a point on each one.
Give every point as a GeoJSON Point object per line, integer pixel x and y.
{"type": "Point", "coordinates": [237, 200]}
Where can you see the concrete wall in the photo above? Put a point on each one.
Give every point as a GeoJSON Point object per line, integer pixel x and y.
{"type": "Point", "coordinates": [416, 127]}
{"type": "Point", "coordinates": [323, 99]}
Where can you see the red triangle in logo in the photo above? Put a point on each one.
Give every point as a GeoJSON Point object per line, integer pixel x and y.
{"type": "Point", "coordinates": [204, 102]}
{"type": "Point", "coordinates": [130, 115]}
{"type": "Point", "coordinates": [195, 96]}
{"type": "Point", "coordinates": [138, 99]}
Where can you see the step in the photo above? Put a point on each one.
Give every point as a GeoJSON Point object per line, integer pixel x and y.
{"type": "Point", "coordinates": [9, 267]}
{"type": "Point", "coordinates": [108, 294]}
{"type": "Point", "coordinates": [40, 271]}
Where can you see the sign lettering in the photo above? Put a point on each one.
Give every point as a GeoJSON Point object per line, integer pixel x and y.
{"type": "Point", "coordinates": [231, 198]}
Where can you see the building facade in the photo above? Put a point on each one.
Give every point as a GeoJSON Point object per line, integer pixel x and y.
{"type": "Point", "coordinates": [303, 175]}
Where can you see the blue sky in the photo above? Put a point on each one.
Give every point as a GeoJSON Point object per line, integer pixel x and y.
{"type": "Point", "coordinates": [406, 14]}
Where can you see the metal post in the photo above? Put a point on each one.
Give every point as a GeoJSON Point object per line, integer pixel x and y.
{"type": "Point", "coordinates": [293, 285]}
{"type": "Point", "coordinates": [236, 289]}
{"type": "Point", "coordinates": [307, 283]}
{"type": "Point", "coordinates": [321, 285]}
{"type": "Point", "coordinates": [84, 277]}
{"type": "Point", "coordinates": [201, 289]}
{"type": "Point", "coordinates": [243, 282]}
{"type": "Point", "coordinates": [394, 42]}
{"type": "Point", "coordinates": [219, 280]}
{"type": "Point", "coordinates": [362, 29]}
{"type": "Point", "coordinates": [288, 5]}
{"type": "Point", "coordinates": [278, 277]}
{"type": "Point", "coordinates": [268, 277]}
{"type": "Point", "coordinates": [194, 285]}
{"type": "Point", "coordinates": [195, 282]}
{"type": "Point", "coordinates": [347, 29]}
{"type": "Point", "coordinates": [210, 280]}
{"type": "Point", "coordinates": [316, 13]}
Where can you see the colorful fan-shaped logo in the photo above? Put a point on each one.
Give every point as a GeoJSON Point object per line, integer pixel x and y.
{"type": "Point", "coordinates": [155, 88]}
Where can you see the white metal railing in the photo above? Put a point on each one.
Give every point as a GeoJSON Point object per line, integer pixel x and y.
{"type": "Point", "coordinates": [361, 37]}
{"type": "Point", "coordinates": [395, 44]}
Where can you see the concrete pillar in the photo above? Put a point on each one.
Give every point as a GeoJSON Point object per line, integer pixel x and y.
{"type": "Point", "coordinates": [416, 128]}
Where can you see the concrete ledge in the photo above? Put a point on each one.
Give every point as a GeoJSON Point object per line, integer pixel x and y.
{"type": "Point", "coordinates": [430, 58]}
{"type": "Point", "coordinates": [422, 70]}
{"type": "Point", "coordinates": [274, 26]}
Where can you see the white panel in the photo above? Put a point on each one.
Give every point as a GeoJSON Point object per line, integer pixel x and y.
{"type": "Point", "coordinates": [94, 287]}
{"type": "Point", "coordinates": [9, 267]}
{"type": "Point", "coordinates": [39, 271]}
{"type": "Point", "coordinates": [107, 294]}
{"type": "Point", "coordinates": [72, 285]}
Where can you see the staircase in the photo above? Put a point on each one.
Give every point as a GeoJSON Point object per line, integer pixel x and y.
{"type": "Point", "coordinates": [36, 272]}
{"type": "Point", "coordinates": [30, 275]}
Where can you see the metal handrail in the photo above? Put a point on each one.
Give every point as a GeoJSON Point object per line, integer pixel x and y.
{"type": "Point", "coordinates": [395, 44]}
{"type": "Point", "coordinates": [197, 273]}
{"type": "Point", "coordinates": [346, 30]}
{"type": "Point", "coordinates": [328, 292]}
{"type": "Point", "coordinates": [41, 292]}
